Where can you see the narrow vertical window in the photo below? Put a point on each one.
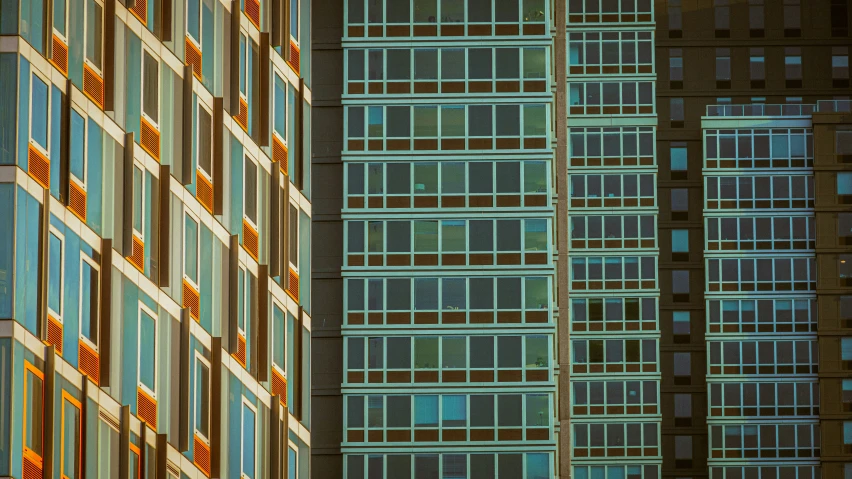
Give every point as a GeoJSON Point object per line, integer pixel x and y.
{"type": "Point", "coordinates": [33, 415]}
{"type": "Point", "coordinates": [294, 20]}
{"type": "Point", "coordinates": [242, 301]}
{"type": "Point", "coordinates": [190, 249]}
{"type": "Point", "coordinates": [755, 17]}
{"type": "Point", "coordinates": [94, 34]}
{"type": "Point", "coordinates": [278, 335]}
{"type": "Point", "coordinates": [757, 67]}
{"type": "Point", "coordinates": [793, 66]}
{"type": "Point", "coordinates": [39, 108]}
{"type": "Point", "coordinates": [722, 17]}
{"type": "Point", "coordinates": [248, 441]}
{"type": "Point", "coordinates": [89, 291]}
{"type": "Point", "coordinates": [723, 67]}
{"type": "Point", "coordinates": [193, 21]}
{"type": "Point", "coordinates": [676, 65]}
{"type": "Point", "coordinates": [293, 241]}
{"type": "Point", "coordinates": [279, 99]}
{"type": "Point", "coordinates": [675, 19]}
{"type": "Point", "coordinates": [147, 353]}
{"type": "Point", "coordinates": [70, 437]}
{"type": "Point", "coordinates": [792, 18]}
{"type": "Point", "coordinates": [78, 149]}
{"type": "Point", "coordinates": [250, 191]}
{"type": "Point", "coordinates": [150, 88]}
{"type": "Point", "coordinates": [840, 67]}
{"type": "Point", "coordinates": [204, 158]}
{"type": "Point", "coordinates": [138, 202]}
{"type": "Point", "coordinates": [55, 268]}
{"type": "Point", "coordinates": [201, 404]}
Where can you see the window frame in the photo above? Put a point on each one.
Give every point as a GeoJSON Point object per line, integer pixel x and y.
{"type": "Point", "coordinates": [57, 315]}
{"type": "Point", "coordinates": [157, 60]}
{"type": "Point", "coordinates": [200, 139]}
{"type": "Point", "coordinates": [188, 215]}
{"type": "Point", "coordinates": [81, 182]}
{"type": "Point", "coordinates": [53, 30]}
{"type": "Point", "coordinates": [282, 368]}
{"type": "Point", "coordinates": [201, 361]}
{"type": "Point", "coordinates": [84, 258]}
{"type": "Point", "coordinates": [253, 222]}
{"type": "Point", "coordinates": [243, 48]}
{"type": "Point", "coordinates": [298, 18]}
{"type": "Point", "coordinates": [29, 453]}
{"type": "Point", "coordinates": [246, 404]}
{"type": "Point", "coordinates": [140, 234]}
{"type": "Point", "coordinates": [67, 397]}
{"type": "Point", "coordinates": [45, 150]}
{"type": "Point", "coordinates": [197, 42]}
{"type": "Point", "coordinates": [278, 75]}
{"type": "Point", "coordinates": [293, 231]}
{"type": "Point", "coordinates": [242, 292]}
{"type": "Point", "coordinates": [86, 60]}
{"type": "Point", "coordinates": [143, 309]}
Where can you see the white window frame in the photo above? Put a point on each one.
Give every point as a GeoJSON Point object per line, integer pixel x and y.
{"type": "Point", "coordinates": [278, 74]}
{"type": "Point", "coordinates": [245, 403]}
{"type": "Point", "coordinates": [280, 368]}
{"type": "Point", "coordinates": [247, 158]}
{"type": "Point", "coordinates": [188, 214]}
{"type": "Point", "coordinates": [298, 4]}
{"type": "Point", "coordinates": [242, 316]}
{"type": "Point", "coordinates": [141, 232]}
{"type": "Point", "coordinates": [201, 138]}
{"type": "Point", "coordinates": [196, 41]}
{"type": "Point", "coordinates": [57, 315]}
{"type": "Point", "coordinates": [84, 258]}
{"type": "Point", "coordinates": [45, 150]}
{"type": "Point", "coordinates": [146, 310]}
{"type": "Point", "coordinates": [146, 51]}
{"type": "Point", "coordinates": [67, 15]}
{"type": "Point", "coordinates": [86, 60]}
{"type": "Point", "coordinates": [82, 182]}
{"type": "Point", "coordinates": [244, 50]}
{"type": "Point", "coordinates": [199, 358]}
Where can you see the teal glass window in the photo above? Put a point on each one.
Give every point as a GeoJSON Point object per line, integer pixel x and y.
{"type": "Point", "coordinates": [250, 191]}
{"type": "Point", "coordinates": [89, 291]}
{"type": "Point", "coordinates": [147, 350]}
{"type": "Point", "coordinates": [190, 256]}
{"type": "Point", "coordinates": [538, 466]}
{"type": "Point", "coordinates": [535, 120]}
{"type": "Point", "coordinates": [846, 349]}
{"type": "Point", "coordinates": [278, 343]}
{"type": "Point", "coordinates": [375, 122]}
{"type": "Point", "coordinates": [279, 96]}
{"type": "Point", "coordinates": [54, 273]}
{"type": "Point", "coordinates": [538, 411]}
{"type": "Point", "coordinates": [535, 63]}
{"type": "Point", "coordinates": [454, 411]}
{"type": "Point", "coordinates": [150, 87]}
{"type": "Point", "coordinates": [535, 235]}
{"type": "Point", "coordinates": [846, 393]}
{"type": "Point", "coordinates": [844, 183]}
{"type": "Point", "coordinates": [138, 199]}
{"type": "Point", "coordinates": [94, 33]}
{"type": "Point", "coordinates": [241, 300]}
{"type": "Point", "coordinates": [426, 411]}
{"type": "Point", "coordinates": [248, 442]}
{"type": "Point", "coordinates": [294, 19]}
{"type": "Point", "coordinates": [78, 146]}
{"type": "Point", "coordinates": [59, 17]}
{"type": "Point", "coordinates": [205, 139]}
{"type": "Point", "coordinates": [680, 241]}
{"type": "Point", "coordinates": [242, 66]}
{"type": "Point", "coordinates": [201, 416]}
{"type": "Point", "coordinates": [39, 114]}
{"type": "Point", "coordinates": [70, 461]}
{"type": "Point", "coordinates": [680, 323]}
{"type": "Point", "coordinates": [193, 19]}
{"type": "Point", "coordinates": [678, 156]}
{"type": "Point", "coordinates": [847, 432]}
{"type": "Point", "coordinates": [33, 410]}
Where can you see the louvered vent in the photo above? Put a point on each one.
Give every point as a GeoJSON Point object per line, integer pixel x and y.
{"type": "Point", "coordinates": [109, 420]}
{"type": "Point", "coordinates": [293, 285]}
{"type": "Point", "coordinates": [90, 362]}
{"type": "Point", "coordinates": [279, 154]}
{"type": "Point", "coordinates": [193, 57]}
{"type": "Point", "coordinates": [201, 453]}
{"type": "Point", "coordinates": [204, 191]}
{"type": "Point", "coordinates": [77, 200]}
{"type": "Point", "coordinates": [59, 54]}
{"type": "Point", "coordinates": [137, 255]}
{"type": "Point", "coordinates": [240, 355]}
{"type": "Point", "coordinates": [294, 57]}
{"type": "Point", "coordinates": [250, 239]}
{"type": "Point", "coordinates": [149, 138]}
{"type": "Point", "coordinates": [31, 469]}
{"type": "Point", "coordinates": [173, 469]}
{"type": "Point", "coordinates": [191, 300]}
{"type": "Point", "coordinates": [242, 115]}
{"type": "Point", "coordinates": [279, 387]}
{"type": "Point", "coordinates": [253, 12]}
{"type": "Point", "coordinates": [54, 333]}
{"type": "Point", "coordinates": [146, 408]}
{"type": "Point", "coordinates": [93, 86]}
{"type": "Point", "coordinates": [38, 167]}
{"type": "Point", "coordinates": [140, 10]}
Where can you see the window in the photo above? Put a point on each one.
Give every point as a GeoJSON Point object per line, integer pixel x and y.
{"type": "Point", "coordinates": [847, 432]}
{"type": "Point", "coordinates": [243, 66]}
{"type": "Point", "coordinates": [757, 65]}
{"type": "Point", "coordinates": [846, 349]}
{"type": "Point", "coordinates": [247, 444]}
{"type": "Point", "coordinates": [680, 326]}
{"type": "Point", "coordinates": [675, 64]}
{"type": "Point", "coordinates": [683, 451]}
{"type": "Point", "coordinates": [680, 282]}
{"type": "Point", "coordinates": [843, 142]}
{"type": "Point", "coordinates": [278, 339]}
{"type": "Point", "coordinates": [191, 247]}
{"type": "Point", "coordinates": [723, 65]}
{"type": "Point", "coordinates": [844, 183]}
{"type": "Point", "coordinates": [682, 368]}
{"type": "Point", "coordinates": [138, 201]}
{"type": "Point", "coordinates": [840, 65]}
{"type": "Point", "coordinates": [94, 34]}
{"type": "Point", "coordinates": [846, 394]}
{"type": "Point", "coordinates": [683, 409]}
{"type": "Point", "coordinates": [70, 445]}
{"type": "Point", "coordinates": [294, 20]}
{"type": "Point", "coordinates": [39, 113]}
{"type": "Point", "coordinates": [250, 191]}
{"type": "Point", "coordinates": [680, 200]}
{"type": "Point", "coordinates": [147, 353]}
{"type": "Point", "coordinates": [89, 299]}
{"type": "Point", "coordinates": [722, 15]}
{"type": "Point", "coordinates": [279, 101]}
{"type": "Point", "coordinates": [676, 111]}
{"type": "Point", "coordinates": [755, 16]}
{"type": "Point", "coordinates": [680, 241]}
{"type": "Point", "coordinates": [242, 301]}
{"type": "Point", "coordinates": [55, 273]}
{"type": "Point", "coordinates": [60, 19]}
{"type": "Point", "coordinates": [793, 65]}
{"type": "Point", "coordinates": [675, 18]}
{"type": "Point", "coordinates": [204, 142]}
{"type": "Point", "coordinates": [150, 88]}
{"type": "Point", "coordinates": [194, 21]}
{"type": "Point", "coordinates": [678, 157]}
{"type": "Point", "coordinates": [201, 391]}
{"type": "Point", "coordinates": [33, 416]}
{"type": "Point", "coordinates": [77, 151]}
{"type": "Point", "coordinates": [792, 18]}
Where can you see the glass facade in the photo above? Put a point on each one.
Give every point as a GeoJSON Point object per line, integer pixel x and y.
{"type": "Point", "coordinates": [154, 234]}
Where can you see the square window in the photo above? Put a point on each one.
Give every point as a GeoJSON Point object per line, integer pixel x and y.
{"type": "Point", "coordinates": [680, 241]}
{"type": "Point", "coordinates": [678, 155]}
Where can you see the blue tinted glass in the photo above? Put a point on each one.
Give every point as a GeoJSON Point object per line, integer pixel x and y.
{"type": "Point", "coordinates": [193, 26]}
{"type": "Point", "coordinates": [280, 96]}
{"type": "Point", "coordinates": [243, 64]}
{"type": "Point", "coordinates": [39, 112]}
{"type": "Point", "coordinates": [88, 302]}
{"type": "Point", "coordinates": [426, 411]}
{"type": "Point", "coordinates": [538, 466]}
{"type": "Point", "coordinates": [54, 273]}
{"type": "Point", "coordinates": [847, 432]}
{"type": "Point", "coordinates": [278, 345]}
{"type": "Point", "coordinates": [846, 349]}
{"type": "Point", "coordinates": [78, 139]}
{"type": "Point", "coordinates": [294, 19]}
{"type": "Point", "coordinates": [71, 440]}
{"type": "Point", "coordinates": [678, 157]}
{"type": "Point", "coordinates": [241, 288]}
{"type": "Point", "coordinates": [680, 241]}
{"type": "Point", "coordinates": [59, 16]}
{"type": "Point", "coordinates": [202, 381]}
{"type": "Point", "coordinates": [137, 199]}
{"type": "Point", "coordinates": [844, 183]}
{"type": "Point", "coordinates": [248, 442]}
{"type": "Point", "coordinates": [291, 460]}
{"type": "Point", "coordinates": [191, 250]}
{"type": "Point", "coordinates": [147, 350]}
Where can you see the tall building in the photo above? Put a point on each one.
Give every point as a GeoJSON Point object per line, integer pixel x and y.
{"type": "Point", "coordinates": [155, 317]}
{"type": "Point", "coordinates": [696, 262]}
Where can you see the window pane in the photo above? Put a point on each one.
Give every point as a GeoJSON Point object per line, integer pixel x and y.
{"type": "Point", "coordinates": [77, 153]}
{"type": "Point", "coordinates": [248, 452]}
{"type": "Point", "coordinates": [202, 398]}
{"type": "Point", "coordinates": [147, 350]}
{"type": "Point", "coordinates": [70, 440]}
{"type": "Point", "coordinates": [191, 250]}
{"type": "Point", "coordinates": [137, 199]}
{"type": "Point", "coordinates": [89, 288]}
{"type": "Point", "coordinates": [150, 82]}
{"type": "Point", "coordinates": [39, 116]}
{"type": "Point", "coordinates": [250, 191]}
{"type": "Point", "coordinates": [54, 273]}
{"type": "Point", "coordinates": [34, 393]}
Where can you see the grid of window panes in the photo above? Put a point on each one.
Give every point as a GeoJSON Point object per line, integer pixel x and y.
{"type": "Point", "coordinates": [612, 241]}
{"type": "Point", "coordinates": [448, 239]}
{"type": "Point", "coordinates": [761, 301]}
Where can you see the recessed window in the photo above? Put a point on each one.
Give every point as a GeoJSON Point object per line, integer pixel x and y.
{"type": "Point", "coordinates": [676, 109]}
{"type": "Point", "coordinates": [33, 413]}
{"type": "Point", "coordinates": [89, 302]}
{"type": "Point", "coordinates": [843, 142]}
{"type": "Point", "coordinates": [847, 433]}
{"type": "Point", "coordinates": [680, 241]}
{"type": "Point", "coordinates": [757, 64]}
{"type": "Point", "coordinates": [680, 282]}
{"type": "Point", "coordinates": [71, 427]}
{"type": "Point", "coordinates": [844, 183]}
{"type": "Point", "coordinates": [680, 323]}
{"type": "Point", "coordinates": [39, 109]}
{"type": "Point", "coordinates": [678, 156]}
{"type": "Point", "coordinates": [55, 268]}
{"type": "Point", "coordinates": [723, 64]}
{"type": "Point", "coordinates": [247, 446]}
{"type": "Point", "coordinates": [150, 87]}
{"type": "Point", "coordinates": [793, 63]}
{"type": "Point", "coordinates": [675, 15]}
{"type": "Point", "coordinates": [201, 391]}
{"type": "Point", "coordinates": [846, 349]}
{"type": "Point", "coordinates": [675, 64]}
